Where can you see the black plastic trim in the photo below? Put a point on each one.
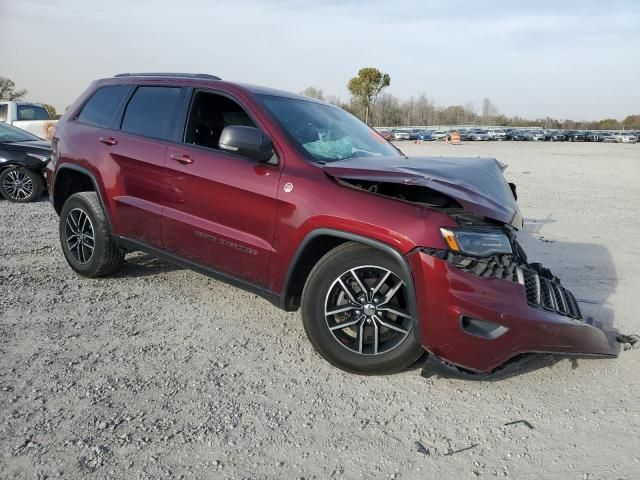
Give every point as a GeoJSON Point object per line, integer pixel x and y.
{"type": "Point", "coordinates": [77, 168]}
{"type": "Point", "coordinates": [130, 244]}
{"type": "Point", "coordinates": [352, 237]}
{"type": "Point", "coordinates": [168, 74]}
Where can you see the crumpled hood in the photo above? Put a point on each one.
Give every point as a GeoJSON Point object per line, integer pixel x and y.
{"type": "Point", "coordinates": [476, 183]}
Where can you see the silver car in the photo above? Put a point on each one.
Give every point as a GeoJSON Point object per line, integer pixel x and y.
{"type": "Point", "coordinates": [497, 134]}
{"type": "Point", "coordinates": [535, 135]}
{"type": "Point", "coordinates": [479, 135]}
{"type": "Point", "coordinates": [402, 135]}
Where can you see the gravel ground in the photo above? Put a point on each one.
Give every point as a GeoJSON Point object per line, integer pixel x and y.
{"type": "Point", "coordinates": [162, 372]}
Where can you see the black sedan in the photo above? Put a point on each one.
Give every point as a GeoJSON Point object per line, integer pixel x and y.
{"type": "Point", "coordinates": [23, 157]}
{"type": "Point", "coordinates": [554, 136]}
{"type": "Point", "coordinates": [575, 136]}
{"type": "Point", "coordinates": [596, 136]}
{"type": "Point", "coordinates": [518, 135]}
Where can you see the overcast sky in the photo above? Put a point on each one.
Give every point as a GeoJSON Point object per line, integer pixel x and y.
{"type": "Point", "coordinates": [565, 59]}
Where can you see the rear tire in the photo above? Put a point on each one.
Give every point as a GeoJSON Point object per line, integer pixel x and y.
{"type": "Point", "coordinates": [21, 185]}
{"type": "Point", "coordinates": [378, 335]}
{"type": "Point", "coordinates": [86, 239]}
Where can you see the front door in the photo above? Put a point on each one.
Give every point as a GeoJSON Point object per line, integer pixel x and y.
{"type": "Point", "coordinates": [220, 208]}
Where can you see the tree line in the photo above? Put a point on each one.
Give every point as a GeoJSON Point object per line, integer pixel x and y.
{"type": "Point", "coordinates": [371, 104]}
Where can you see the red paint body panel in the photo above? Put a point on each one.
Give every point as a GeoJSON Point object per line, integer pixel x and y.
{"type": "Point", "coordinates": [221, 211]}
{"type": "Point", "coordinates": [235, 216]}
{"type": "Point", "coordinates": [445, 293]}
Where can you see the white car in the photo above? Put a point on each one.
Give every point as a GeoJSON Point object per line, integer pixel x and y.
{"type": "Point", "coordinates": [497, 134]}
{"type": "Point", "coordinates": [438, 134]}
{"type": "Point", "coordinates": [624, 137]}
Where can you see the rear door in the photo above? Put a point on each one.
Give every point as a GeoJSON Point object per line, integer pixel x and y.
{"type": "Point", "coordinates": [137, 152]}
{"type": "Point", "coordinates": [221, 208]}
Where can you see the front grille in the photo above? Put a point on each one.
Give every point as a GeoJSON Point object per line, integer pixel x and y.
{"type": "Point", "coordinates": [496, 266]}
{"type": "Point", "coordinates": [542, 288]}
{"type": "Point", "coordinates": [548, 295]}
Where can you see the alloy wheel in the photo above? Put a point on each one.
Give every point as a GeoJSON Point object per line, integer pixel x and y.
{"type": "Point", "coordinates": [366, 310]}
{"type": "Point", "coordinates": [79, 235]}
{"type": "Point", "coordinates": [18, 185]}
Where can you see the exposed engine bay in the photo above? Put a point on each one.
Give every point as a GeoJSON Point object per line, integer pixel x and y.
{"type": "Point", "coordinates": [410, 193]}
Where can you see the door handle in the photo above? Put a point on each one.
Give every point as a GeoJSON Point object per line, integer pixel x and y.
{"type": "Point", "coordinates": [183, 159]}
{"type": "Point", "coordinates": [108, 140]}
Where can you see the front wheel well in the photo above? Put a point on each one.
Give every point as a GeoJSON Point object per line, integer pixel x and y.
{"type": "Point", "coordinates": [317, 245]}
{"type": "Point", "coordinates": [68, 182]}
{"type": "Point", "coordinates": [303, 263]}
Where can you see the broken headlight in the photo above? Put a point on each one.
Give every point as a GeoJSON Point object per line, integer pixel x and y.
{"type": "Point", "coordinates": [476, 243]}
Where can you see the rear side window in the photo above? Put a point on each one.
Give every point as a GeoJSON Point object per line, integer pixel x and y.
{"type": "Point", "coordinates": [32, 112]}
{"type": "Point", "coordinates": [150, 111]}
{"type": "Point", "coordinates": [102, 107]}
{"type": "Point", "coordinates": [3, 113]}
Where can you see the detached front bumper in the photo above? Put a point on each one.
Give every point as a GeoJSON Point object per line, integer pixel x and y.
{"type": "Point", "coordinates": [479, 322]}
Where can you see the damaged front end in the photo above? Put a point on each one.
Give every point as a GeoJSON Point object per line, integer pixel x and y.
{"type": "Point", "coordinates": [481, 304]}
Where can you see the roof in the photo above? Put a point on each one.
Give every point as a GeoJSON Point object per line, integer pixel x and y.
{"type": "Point", "coordinates": [207, 78]}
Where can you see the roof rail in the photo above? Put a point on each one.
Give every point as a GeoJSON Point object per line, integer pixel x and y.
{"type": "Point", "coordinates": [169, 74]}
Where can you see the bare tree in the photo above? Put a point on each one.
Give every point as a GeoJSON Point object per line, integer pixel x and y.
{"type": "Point", "coordinates": [8, 90]}
{"type": "Point", "coordinates": [387, 111]}
{"type": "Point", "coordinates": [335, 100]}
{"type": "Point", "coordinates": [313, 92]}
{"type": "Point", "coordinates": [489, 111]}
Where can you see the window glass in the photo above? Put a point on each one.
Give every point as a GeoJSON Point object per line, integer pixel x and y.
{"type": "Point", "coordinates": [209, 114]}
{"type": "Point", "coordinates": [102, 107]}
{"type": "Point", "coordinates": [13, 134]}
{"type": "Point", "coordinates": [150, 111]}
{"type": "Point", "coordinates": [32, 112]}
{"type": "Point", "coordinates": [3, 113]}
{"type": "Point", "coordinates": [325, 133]}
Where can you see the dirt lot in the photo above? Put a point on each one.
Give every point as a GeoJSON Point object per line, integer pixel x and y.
{"type": "Point", "coordinates": [161, 372]}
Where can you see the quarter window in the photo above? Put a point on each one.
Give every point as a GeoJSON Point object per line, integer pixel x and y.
{"type": "Point", "coordinates": [3, 113]}
{"type": "Point", "coordinates": [102, 107]}
{"type": "Point", "coordinates": [150, 111]}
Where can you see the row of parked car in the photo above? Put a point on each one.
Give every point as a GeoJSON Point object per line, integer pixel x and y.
{"type": "Point", "coordinates": [482, 134]}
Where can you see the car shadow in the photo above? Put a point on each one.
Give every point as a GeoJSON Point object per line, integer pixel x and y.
{"type": "Point", "coordinates": [584, 268]}
{"type": "Point", "coordinates": [140, 264]}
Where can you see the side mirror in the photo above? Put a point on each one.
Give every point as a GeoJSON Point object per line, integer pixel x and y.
{"type": "Point", "coordinates": [247, 142]}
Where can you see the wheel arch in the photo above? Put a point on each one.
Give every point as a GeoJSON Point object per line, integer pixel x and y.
{"type": "Point", "coordinates": [70, 179]}
{"type": "Point", "coordinates": [320, 241]}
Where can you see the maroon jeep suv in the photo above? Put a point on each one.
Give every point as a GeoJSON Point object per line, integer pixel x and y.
{"type": "Point", "coordinates": [297, 200]}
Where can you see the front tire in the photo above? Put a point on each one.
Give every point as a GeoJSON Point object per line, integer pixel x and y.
{"type": "Point", "coordinates": [21, 185]}
{"type": "Point", "coordinates": [86, 239]}
{"type": "Point", "coordinates": [356, 313]}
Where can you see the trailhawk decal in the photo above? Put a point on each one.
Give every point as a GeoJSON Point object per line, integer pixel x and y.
{"type": "Point", "coordinates": [226, 243]}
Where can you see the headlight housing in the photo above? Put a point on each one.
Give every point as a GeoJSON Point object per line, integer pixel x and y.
{"type": "Point", "coordinates": [476, 243]}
